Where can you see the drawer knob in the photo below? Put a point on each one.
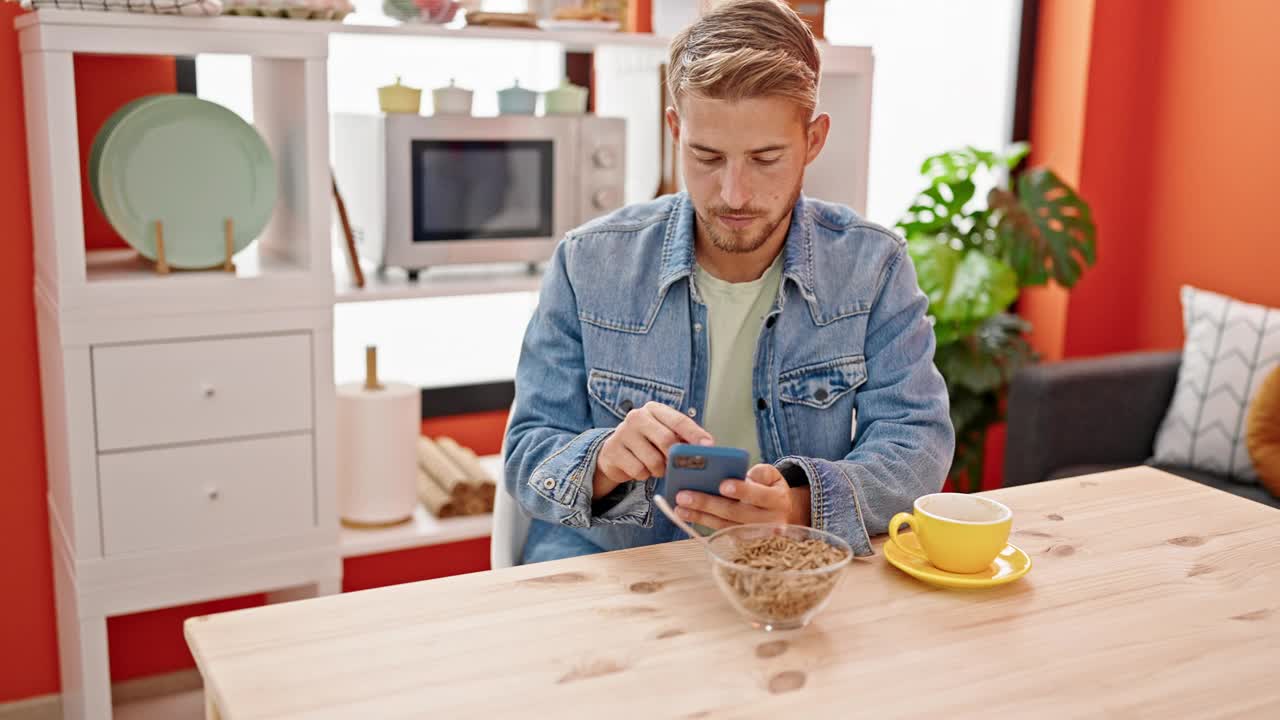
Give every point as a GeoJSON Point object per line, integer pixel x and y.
{"type": "Point", "coordinates": [207, 390]}
{"type": "Point", "coordinates": [213, 493]}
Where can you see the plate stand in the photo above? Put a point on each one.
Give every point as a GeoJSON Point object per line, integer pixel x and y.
{"type": "Point", "coordinates": [228, 234]}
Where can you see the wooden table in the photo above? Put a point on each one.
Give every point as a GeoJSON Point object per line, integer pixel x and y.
{"type": "Point", "coordinates": [1150, 596]}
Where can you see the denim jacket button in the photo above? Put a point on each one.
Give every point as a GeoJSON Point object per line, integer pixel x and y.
{"type": "Point", "coordinates": [820, 395]}
{"type": "Point", "coordinates": [697, 327]}
{"type": "Point", "coordinates": [548, 483]}
{"type": "Point", "coordinates": [760, 403]}
{"type": "Point", "coordinates": [769, 323]}
{"type": "Point", "coordinates": [693, 412]}
{"type": "Point", "coordinates": [625, 406]}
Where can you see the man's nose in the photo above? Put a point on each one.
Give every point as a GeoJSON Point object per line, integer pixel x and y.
{"type": "Point", "coordinates": [735, 187]}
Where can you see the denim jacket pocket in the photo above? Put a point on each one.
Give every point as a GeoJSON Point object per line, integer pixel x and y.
{"type": "Point", "coordinates": [620, 394]}
{"type": "Point", "coordinates": [822, 384]}
{"type": "Point", "coordinates": [818, 402]}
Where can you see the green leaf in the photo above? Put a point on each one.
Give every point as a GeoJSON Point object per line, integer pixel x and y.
{"type": "Point", "coordinates": [985, 360]}
{"type": "Point", "coordinates": [1015, 154]}
{"type": "Point", "coordinates": [957, 165]}
{"type": "Point", "coordinates": [1048, 230]}
{"type": "Point", "coordinates": [938, 208]}
{"type": "Point", "coordinates": [936, 264]}
{"type": "Point", "coordinates": [981, 287]}
{"type": "Point", "coordinates": [1004, 339]}
{"type": "Point", "coordinates": [946, 332]}
{"type": "Point", "coordinates": [977, 368]}
{"type": "Point", "coordinates": [1025, 255]}
{"type": "Point", "coordinates": [964, 365]}
{"type": "Point", "coordinates": [950, 166]}
{"type": "Point", "coordinates": [984, 158]}
{"type": "Point", "coordinates": [962, 193]}
{"type": "Point", "coordinates": [964, 287]}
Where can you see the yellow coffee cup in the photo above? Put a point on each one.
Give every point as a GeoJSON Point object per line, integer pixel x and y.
{"type": "Point", "coordinates": [959, 533]}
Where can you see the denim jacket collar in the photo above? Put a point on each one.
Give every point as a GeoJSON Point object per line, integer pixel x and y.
{"type": "Point", "coordinates": [678, 247]}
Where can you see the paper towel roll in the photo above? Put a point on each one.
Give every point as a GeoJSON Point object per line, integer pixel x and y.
{"type": "Point", "coordinates": [377, 452]}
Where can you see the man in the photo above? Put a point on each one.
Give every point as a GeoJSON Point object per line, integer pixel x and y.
{"type": "Point", "coordinates": [738, 313]}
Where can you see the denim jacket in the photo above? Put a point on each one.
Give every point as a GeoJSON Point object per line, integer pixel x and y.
{"type": "Point", "coordinates": [844, 377]}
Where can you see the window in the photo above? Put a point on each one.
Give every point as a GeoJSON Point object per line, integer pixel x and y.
{"type": "Point", "coordinates": [944, 78]}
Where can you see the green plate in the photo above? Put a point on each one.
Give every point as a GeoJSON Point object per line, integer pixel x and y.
{"type": "Point", "coordinates": [190, 163]}
{"type": "Point", "coordinates": [95, 152]}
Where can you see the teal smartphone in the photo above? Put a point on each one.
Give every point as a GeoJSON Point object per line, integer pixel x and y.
{"type": "Point", "coordinates": [702, 468]}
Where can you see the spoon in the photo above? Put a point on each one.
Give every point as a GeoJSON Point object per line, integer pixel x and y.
{"type": "Point", "coordinates": [661, 502]}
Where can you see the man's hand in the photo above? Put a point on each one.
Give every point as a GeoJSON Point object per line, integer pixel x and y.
{"type": "Point", "coordinates": [637, 449]}
{"type": "Point", "coordinates": [763, 497]}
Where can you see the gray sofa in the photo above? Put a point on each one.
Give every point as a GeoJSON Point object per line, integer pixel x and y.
{"type": "Point", "coordinates": [1082, 416]}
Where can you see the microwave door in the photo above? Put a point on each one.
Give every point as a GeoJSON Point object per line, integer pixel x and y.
{"type": "Point", "coordinates": [482, 189]}
{"type": "Point", "coordinates": [477, 190]}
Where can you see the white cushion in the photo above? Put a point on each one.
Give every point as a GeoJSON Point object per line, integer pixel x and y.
{"type": "Point", "coordinates": [1230, 347]}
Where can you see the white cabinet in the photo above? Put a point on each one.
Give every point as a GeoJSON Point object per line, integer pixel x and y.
{"type": "Point", "coordinates": [190, 390]}
{"type": "Point", "coordinates": [188, 417]}
{"type": "Point", "coordinates": [207, 495]}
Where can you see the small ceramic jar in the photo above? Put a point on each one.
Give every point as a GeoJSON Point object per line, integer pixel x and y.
{"type": "Point", "coordinates": [516, 100]}
{"type": "Point", "coordinates": [402, 10]}
{"type": "Point", "coordinates": [451, 100]}
{"type": "Point", "coordinates": [399, 98]}
{"type": "Point", "coordinates": [568, 99]}
{"type": "Point", "coordinates": [437, 12]}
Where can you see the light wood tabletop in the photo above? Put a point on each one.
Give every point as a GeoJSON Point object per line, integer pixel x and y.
{"type": "Point", "coordinates": [1150, 596]}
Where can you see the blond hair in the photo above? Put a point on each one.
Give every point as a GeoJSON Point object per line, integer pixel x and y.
{"type": "Point", "coordinates": [746, 49]}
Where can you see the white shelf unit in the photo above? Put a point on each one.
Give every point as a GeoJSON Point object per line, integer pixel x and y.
{"type": "Point", "coordinates": [289, 262]}
{"type": "Point", "coordinates": [394, 284]}
{"type": "Point", "coordinates": [188, 418]}
{"type": "Point", "coordinates": [188, 32]}
{"type": "Point", "coordinates": [571, 40]}
{"type": "Point", "coordinates": [424, 529]}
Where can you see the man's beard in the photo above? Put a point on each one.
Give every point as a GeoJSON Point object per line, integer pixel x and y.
{"type": "Point", "coordinates": [726, 240]}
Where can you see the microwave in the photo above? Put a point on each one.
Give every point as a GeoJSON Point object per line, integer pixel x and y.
{"type": "Point", "coordinates": [423, 191]}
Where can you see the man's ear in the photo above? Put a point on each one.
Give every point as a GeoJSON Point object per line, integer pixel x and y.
{"type": "Point", "coordinates": [673, 124]}
{"type": "Point", "coordinates": [816, 134]}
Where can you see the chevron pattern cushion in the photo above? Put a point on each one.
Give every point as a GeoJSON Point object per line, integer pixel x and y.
{"type": "Point", "coordinates": [1230, 348]}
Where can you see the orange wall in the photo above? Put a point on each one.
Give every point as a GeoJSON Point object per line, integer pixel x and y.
{"type": "Point", "coordinates": [28, 662]}
{"type": "Point", "coordinates": [1177, 155]}
{"type": "Point", "coordinates": [1057, 125]}
{"type": "Point", "coordinates": [26, 619]}
{"type": "Point", "coordinates": [104, 83]}
{"type": "Point", "coordinates": [1216, 165]}
{"type": "Point", "coordinates": [143, 643]}
{"type": "Point", "coordinates": [481, 431]}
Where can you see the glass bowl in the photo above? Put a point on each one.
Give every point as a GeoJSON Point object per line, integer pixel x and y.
{"type": "Point", "coordinates": [773, 598]}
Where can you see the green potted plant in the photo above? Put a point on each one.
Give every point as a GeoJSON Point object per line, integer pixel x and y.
{"type": "Point", "coordinates": [972, 259]}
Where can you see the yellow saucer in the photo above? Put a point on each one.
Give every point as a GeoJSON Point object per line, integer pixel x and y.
{"type": "Point", "coordinates": [1011, 564]}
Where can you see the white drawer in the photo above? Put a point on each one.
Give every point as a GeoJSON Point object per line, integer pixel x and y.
{"type": "Point", "coordinates": [179, 498]}
{"type": "Point", "coordinates": [191, 391]}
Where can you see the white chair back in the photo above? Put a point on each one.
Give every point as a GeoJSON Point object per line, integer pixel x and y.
{"type": "Point", "coordinates": [510, 521]}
